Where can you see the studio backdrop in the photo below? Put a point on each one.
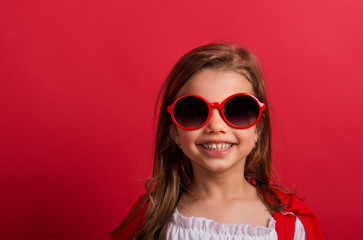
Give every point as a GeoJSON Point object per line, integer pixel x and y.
{"type": "Point", "coordinates": [78, 87]}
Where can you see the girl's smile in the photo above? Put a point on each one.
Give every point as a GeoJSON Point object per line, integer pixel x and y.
{"type": "Point", "coordinates": [216, 149]}
{"type": "Point", "coordinates": [216, 146]}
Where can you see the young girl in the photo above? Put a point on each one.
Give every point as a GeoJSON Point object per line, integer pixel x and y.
{"type": "Point", "coordinates": [212, 176]}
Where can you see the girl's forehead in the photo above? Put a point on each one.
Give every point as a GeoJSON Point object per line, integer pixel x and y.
{"type": "Point", "coordinates": [216, 85]}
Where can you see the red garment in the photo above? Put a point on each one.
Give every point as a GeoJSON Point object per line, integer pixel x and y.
{"type": "Point", "coordinates": [285, 223]}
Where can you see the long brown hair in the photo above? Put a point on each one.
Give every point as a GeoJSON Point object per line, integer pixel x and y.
{"type": "Point", "coordinates": [172, 169]}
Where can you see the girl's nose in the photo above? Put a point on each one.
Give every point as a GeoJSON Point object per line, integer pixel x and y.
{"type": "Point", "coordinates": [216, 122]}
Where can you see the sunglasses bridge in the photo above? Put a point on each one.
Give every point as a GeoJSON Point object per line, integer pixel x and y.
{"type": "Point", "coordinates": [215, 105]}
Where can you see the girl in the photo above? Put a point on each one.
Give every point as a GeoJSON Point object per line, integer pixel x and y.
{"type": "Point", "coordinates": [212, 176]}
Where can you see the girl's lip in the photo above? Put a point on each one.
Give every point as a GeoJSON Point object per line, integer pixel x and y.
{"type": "Point", "coordinates": [216, 142]}
{"type": "Point", "coordinates": [215, 153]}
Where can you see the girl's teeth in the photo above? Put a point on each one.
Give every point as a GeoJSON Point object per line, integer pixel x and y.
{"type": "Point", "coordinates": [217, 146]}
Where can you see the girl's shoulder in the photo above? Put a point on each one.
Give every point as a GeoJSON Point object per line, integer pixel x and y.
{"type": "Point", "coordinates": [133, 221]}
{"type": "Point", "coordinates": [293, 204]}
{"type": "Point", "coordinates": [295, 208]}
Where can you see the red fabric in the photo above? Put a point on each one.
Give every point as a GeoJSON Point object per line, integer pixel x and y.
{"type": "Point", "coordinates": [131, 228]}
{"type": "Point", "coordinates": [285, 224]}
{"type": "Point", "coordinates": [307, 217]}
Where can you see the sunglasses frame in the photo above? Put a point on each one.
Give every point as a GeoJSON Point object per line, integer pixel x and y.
{"type": "Point", "coordinates": [218, 105]}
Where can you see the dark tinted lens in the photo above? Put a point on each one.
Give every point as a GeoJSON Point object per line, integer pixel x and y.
{"type": "Point", "coordinates": [190, 112]}
{"type": "Point", "coordinates": [241, 110]}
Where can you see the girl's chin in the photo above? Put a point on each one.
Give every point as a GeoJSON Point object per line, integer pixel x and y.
{"type": "Point", "coordinates": [218, 167]}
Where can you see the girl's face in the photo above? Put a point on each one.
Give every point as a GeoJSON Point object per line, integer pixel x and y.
{"type": "Point", "coordinates": [216, 147]}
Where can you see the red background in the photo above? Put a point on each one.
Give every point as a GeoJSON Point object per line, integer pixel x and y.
{"type": "Point", "coordinates": [78, 83]}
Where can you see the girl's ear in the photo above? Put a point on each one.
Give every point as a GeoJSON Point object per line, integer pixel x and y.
{"type": "Point", "coordinates": [257, 135]}
{"type": "Point", "coordinates": [174, 133]}
{"type": "Point", "coordinates": [258, 130]}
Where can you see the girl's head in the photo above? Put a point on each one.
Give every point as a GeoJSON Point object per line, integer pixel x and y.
{"type": "Point", "coordinates": [173, 171]}
{"type": "Point", "coordinates": [213, 60]}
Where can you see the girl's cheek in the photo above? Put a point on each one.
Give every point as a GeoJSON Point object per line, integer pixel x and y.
{"type": "Point", "coordinates": [188, 138]}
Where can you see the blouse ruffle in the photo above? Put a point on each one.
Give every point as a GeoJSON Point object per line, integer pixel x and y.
{"type": "Point", "coordinates": [190, 228]}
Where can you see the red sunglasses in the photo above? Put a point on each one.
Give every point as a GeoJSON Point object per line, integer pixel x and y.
{"type": "Point", "coordinates": [240, 110]}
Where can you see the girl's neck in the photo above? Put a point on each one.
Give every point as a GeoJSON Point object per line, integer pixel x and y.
{"type": "Point", "coordinates": [223, 187]}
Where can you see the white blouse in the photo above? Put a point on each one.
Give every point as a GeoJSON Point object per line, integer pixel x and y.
{"type": "Point", "coordinates": [192, 228]}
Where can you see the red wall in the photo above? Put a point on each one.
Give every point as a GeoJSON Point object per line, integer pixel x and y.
{"type": "Point", "coordinates": [78, 82]}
